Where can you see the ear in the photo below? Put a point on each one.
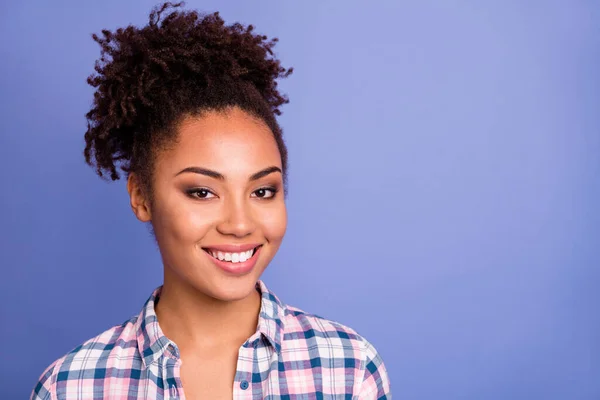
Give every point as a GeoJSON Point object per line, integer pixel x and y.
{"type": "Point", "coordinates": [138, 198]}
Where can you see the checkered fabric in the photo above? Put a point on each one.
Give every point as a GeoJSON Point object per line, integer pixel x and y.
{"type": "Point", "coordinates": [292, 355]}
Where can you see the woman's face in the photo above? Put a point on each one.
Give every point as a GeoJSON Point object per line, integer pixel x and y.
{"type": "Point", "coordinates": [217, 197]}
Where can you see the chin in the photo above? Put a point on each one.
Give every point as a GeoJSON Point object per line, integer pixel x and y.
{"type": "Point", "coordinates": [231, 288]}
{"type": "Point", "coordinates": [219, 284]}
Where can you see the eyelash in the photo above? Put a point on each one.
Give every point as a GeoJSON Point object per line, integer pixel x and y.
{"type": "Point", "coordinates": [192, 193]}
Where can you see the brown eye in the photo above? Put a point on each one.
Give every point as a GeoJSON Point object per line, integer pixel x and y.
{"type": "Point", "coordinates": [264, 193]}
{"type": "Point", "coordinates": [200, 193]}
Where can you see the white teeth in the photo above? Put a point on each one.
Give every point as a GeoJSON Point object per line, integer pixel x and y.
{"type": "Point", "coordinates": [232, 257]}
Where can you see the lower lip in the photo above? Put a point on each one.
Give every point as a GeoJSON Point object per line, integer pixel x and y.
{"type": "Point", "coordinates": [238, 268]}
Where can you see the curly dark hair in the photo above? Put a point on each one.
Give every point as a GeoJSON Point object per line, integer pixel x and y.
{"type": "Point", "coordinates": [180, 64]}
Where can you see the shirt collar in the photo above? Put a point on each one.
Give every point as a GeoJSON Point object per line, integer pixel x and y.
{"type": "Point", "coordinates": [152, 343]}
{"type": "Point", "coordinates": [271, 317]}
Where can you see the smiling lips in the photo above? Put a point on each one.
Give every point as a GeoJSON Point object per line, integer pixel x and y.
{"type": "Point", "coordinates": [232, 253]}
{"type": "Point", "coordinates": [234, 259]}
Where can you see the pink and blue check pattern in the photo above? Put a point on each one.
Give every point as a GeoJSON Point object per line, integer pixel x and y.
{"type": "Point", "coordinates": [292, 355]}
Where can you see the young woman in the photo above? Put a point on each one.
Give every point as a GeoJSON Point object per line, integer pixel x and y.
{"type": "Point", "coordinates": [186, 107]}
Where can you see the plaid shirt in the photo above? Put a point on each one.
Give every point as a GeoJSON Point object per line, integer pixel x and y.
{"type": "Point", "coordinates": [292, 355]}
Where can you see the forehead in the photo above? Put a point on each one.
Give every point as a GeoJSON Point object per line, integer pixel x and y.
{"type": "Point", "coordinates": [223, 140]}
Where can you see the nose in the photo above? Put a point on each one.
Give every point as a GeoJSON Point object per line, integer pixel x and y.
{"type": "Point", "coordinates": [237, 219]}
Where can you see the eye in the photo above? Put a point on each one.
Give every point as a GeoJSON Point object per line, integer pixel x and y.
{"type": "Point", "coordinates": [265, 193]}
{"type": "Point", "coordinates": [200, 193]}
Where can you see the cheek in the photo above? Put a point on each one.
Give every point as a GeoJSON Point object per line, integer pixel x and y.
{"type": "Point", "coordinates": [274, 223]}
{"type": "Point", "coordinates": [180, 221]}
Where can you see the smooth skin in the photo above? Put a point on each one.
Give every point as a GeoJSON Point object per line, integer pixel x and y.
{"type": "Point", "coordinates": [206, 311]}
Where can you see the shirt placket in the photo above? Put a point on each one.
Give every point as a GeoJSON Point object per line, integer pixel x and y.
{"type": "Point", "coordinates": [173, 387]}
{"type": "Point", "coordinates": [244, 388]}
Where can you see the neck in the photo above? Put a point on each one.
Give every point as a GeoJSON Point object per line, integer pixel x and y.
{"type": "Point", "coordinates": [193, 319]}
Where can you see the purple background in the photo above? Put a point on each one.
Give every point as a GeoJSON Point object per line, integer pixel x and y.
{"type": "Point", "coordinates": [444, 188]}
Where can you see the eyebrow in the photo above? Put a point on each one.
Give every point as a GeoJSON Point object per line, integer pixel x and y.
{"type": "Point", "coordinates": [217, 175]}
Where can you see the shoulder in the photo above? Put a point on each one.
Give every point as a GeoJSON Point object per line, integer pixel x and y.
{"type": "Point", "coordinates": [88, 360]}
{"type": "Point", "coordinates": [300, 325]}
{"type": "Point", "coordinates": [339, 348]}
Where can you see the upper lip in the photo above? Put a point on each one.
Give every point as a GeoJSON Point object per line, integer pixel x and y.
{"type": "Point", "coordinates": [232, 248]}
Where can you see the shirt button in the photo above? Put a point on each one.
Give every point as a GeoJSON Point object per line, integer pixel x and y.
{"type": "Point", "coordinates": [244, 385]}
